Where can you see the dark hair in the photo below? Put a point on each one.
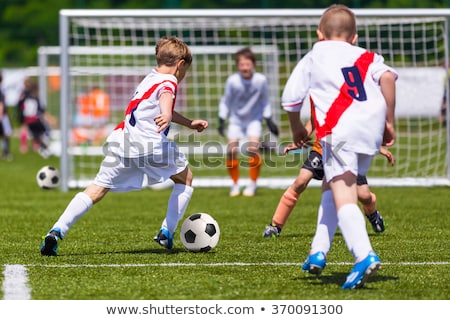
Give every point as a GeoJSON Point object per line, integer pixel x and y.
{"type": "Point", "coordinates": [246, 53]}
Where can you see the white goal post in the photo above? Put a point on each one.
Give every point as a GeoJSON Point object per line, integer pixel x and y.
{"type": "Point", "coordinates": [113, 49]}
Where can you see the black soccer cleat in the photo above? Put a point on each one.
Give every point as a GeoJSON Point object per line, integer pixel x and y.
{"type": "Point", "coordinates": [377, 222]}
{"type": "Point", "coordinates": [50, 244]}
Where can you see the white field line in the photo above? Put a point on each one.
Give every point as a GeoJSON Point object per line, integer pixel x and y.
{"type": "Point", "coordinates": [15, 283]}
{"type": "Point", "coordinates": [222, 264]}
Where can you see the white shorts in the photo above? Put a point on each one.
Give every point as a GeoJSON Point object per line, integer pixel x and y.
{"type": "Point", "coordinates": [127, 174]}
{"type": "Point", "coordinates": [248, 129]}
{"type": "Point", "coordinates": [337, 161]}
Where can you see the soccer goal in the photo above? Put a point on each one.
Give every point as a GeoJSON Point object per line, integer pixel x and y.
{"type": "Point", "coordinates": [114, 49]}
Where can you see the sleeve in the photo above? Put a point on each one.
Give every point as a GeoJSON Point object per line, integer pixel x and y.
{"type": "Point", "coordinates": [167, 86]}
{"type": "Point", "coordinates": [225, 101]}
{"type": "Point", "coordinates": [379, 67]}
{"type": "Point", "coordinates": [297, 86]}
{"type": "Point", "coordinates": [267, 111]}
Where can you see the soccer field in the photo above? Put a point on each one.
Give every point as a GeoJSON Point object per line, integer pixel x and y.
{"type": "Point", "coordinates": [110, 255]}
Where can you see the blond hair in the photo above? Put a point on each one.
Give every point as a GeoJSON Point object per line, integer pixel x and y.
{"type": "Point", "coordinates": [338, 21]}
{"type": "Point", "coordinates": [169, 50]}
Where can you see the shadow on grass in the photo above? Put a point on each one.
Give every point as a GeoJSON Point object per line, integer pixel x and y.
{"type": "Point", "coordinates": [338, 278]}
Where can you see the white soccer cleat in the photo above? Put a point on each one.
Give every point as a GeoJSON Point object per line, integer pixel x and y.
{"type": "Point", "coordinates": [250, 190]}
{"type": "Point", "coordinates": [235, 190]}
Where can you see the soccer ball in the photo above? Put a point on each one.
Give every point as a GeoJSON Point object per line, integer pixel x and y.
{"type": "Point", "coordinates": [48, 177]}
{"type": "Point", "coordinates": [200, 232]}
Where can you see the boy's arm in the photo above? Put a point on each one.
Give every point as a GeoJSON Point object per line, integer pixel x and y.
{"type": "Point", "coordinates": [299, 133]}
{"type": "Point", "coordinates": [196, 124]}
{"type": "Point", "coordinates": [165, 117]}
{"type": "Point", "coordinates": [387, 85]}
{"type": "Point", "coordinates": [309, 127]}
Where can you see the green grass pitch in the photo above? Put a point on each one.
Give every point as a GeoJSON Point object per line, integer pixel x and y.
{"type": "Point", "coordinates": [109, 254]}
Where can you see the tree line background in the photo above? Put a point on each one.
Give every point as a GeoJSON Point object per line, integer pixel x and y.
{"type": "Point", "coordinates": [28, 24]}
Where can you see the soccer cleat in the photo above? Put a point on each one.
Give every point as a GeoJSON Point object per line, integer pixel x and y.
{"type": "Point", "coordinates": [50, 244]}
{"type": "Point", "coordinates": [163, 238]}
{"type": "Point", "coordinates": [362, 271]}
{"type": "Point", "coordinates": [315, 263]}
{"type": "Point", "coordinates": [271, 231]}
{"type": "Point", "coordinates": [249, 190]}
{"type": "Point", "coordinates": [235, 190]}
{"type": "Point", "coordinates": [377, 221]}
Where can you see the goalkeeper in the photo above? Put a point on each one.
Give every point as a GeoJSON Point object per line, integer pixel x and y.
{"type": "Point", "coordinates": [245, 104]}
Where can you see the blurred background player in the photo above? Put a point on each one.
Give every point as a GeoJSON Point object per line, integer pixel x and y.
{"type": "Point", "coordinates": [5, 125]}
{"type": "Point", "coordinates": [34, 120]}
{"type": "Point", "coordinates": [92, 117]}
{"type": "Point", "coordinates": [312, 168]}
{"type": "Point", "coordinates": [245, 104]}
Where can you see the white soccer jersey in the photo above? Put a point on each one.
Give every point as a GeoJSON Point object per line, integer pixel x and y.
{"type": "Point", "coordinates": [137, 135]}
{"type": "Point", "coordinates": [245, 100]}
{"type": "Point", "coordinates": [343, 83]}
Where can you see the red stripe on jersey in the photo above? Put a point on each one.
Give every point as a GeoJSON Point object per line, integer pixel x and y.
{"type": "Point", "coordinates": [344, 100]}
{"type": "Point", "coordinates": [134, 103]}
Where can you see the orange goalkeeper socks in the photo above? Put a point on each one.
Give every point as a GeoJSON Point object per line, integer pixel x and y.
{"type": "Point", "coordinates": [255, 167]}
{"type": "Point", "coordinates": [233, 169]}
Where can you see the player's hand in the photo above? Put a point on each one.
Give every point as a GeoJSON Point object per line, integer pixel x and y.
{"type": "Point", "coordinates": [221, 127]}
{"type": "Point", "coordinates": [272, 126]}
{"type": "Point", "coordinates": [301, 137]}
{"type": "Point", "coordinates": [389, 156]}
{"type": "Point", "coordinates": [289, 147]}
{"type": "Point", "coordinates": [389, 135]}
{"type": "Point", "coordinates": [163, 121]}
{"type": "Point", "coordinates": [199, 125]}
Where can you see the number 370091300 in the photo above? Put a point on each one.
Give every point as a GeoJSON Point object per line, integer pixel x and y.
{"type": "Point", "coordinates": [307, 309]}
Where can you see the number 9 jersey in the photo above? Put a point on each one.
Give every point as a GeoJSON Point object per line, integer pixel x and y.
{"type": "Point", "coordinates": [342, 81]}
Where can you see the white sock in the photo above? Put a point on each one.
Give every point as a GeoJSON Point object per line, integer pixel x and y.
{"type": "Point", "coordinates": [79, 205]}
{"type": "Point", "coordinates": [178, 202]}
{"type": "Point", "coordinates": [353, 229]}
{"type": "Point", "coordinates": [327, 222]}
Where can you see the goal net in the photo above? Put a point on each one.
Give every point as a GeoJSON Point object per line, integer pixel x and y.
{"type": "Point", "coordinates": [113, 50]}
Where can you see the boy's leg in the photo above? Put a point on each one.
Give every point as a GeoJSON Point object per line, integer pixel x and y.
{"type": "Point", "coordinates": [369, 204]}
{"type": "Point", "coordinates": [254, 171]}
{"type": "Point", "coordinates": [340, 167]}
{"type": "Point", "coordinates": [351, 221]}
{"type": "Point", "coordinates": [7, 132]}
{"type": "Point", "coordinates": [353, 229]}
{"type": "Point", "coordinates": [177, 205]}
{"type": "Point", "coordinates": [326, 228]}
{"type": "Point", "coordinates": [311, 168]}
{"type": "Point", "coordinates": [232, 164]}
{"type": "Point", "coordinates": [251, 149]}
{"type": "Point", "coordinates": [77, 207]}
{"type": "Point", "coordinates": [287, 203]}
{"type": "Point", "coordinates": [23, 138]}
